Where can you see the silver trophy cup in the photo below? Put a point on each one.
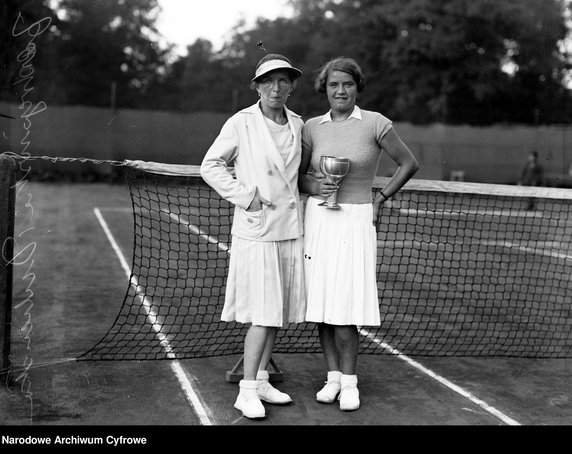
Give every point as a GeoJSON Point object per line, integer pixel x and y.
{"type": "Point", "coordinates": [334, 169]}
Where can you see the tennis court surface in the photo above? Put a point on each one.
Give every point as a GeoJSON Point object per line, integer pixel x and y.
{"type": "Point", "coordinates": [88, 349]}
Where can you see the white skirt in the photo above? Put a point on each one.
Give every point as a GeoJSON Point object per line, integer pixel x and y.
{"type": "Point", "coordinates": [340, 254]}
{"type": "Point", "coordinates": [265, 284]}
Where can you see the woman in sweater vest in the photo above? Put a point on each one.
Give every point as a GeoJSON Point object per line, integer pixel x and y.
{"type": "Point", "coordinates": [340, 246]}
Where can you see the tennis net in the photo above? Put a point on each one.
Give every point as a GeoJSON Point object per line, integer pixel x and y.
{"type": "Point", "coordinates": [463, 270]}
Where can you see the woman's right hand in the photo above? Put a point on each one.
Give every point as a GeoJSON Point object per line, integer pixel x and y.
{"type": "Point", "coordinates": [258, 202]}
{"type": "Point", "coordinates": [326, 187]}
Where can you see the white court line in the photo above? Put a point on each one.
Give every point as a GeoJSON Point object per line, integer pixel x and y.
{"type": "Point", "coordinates": [493, 411]}
{"type": "Point", "coordinates": [408, 360]}
{"type": "Point", "coordinates": [184, 380]}
{"type": "Point", "coordinates": [180, 220]}
{"type": "Point", "coordinates": [196, 230]}
{"type": "Point", "coordinates": [117, 209]}
{"type": "Point", "coordinates": [506, 244]}
{"type": "Point", "coordinates": [492, 212]}
{"type": "Point", "coordinates": [537, 251]}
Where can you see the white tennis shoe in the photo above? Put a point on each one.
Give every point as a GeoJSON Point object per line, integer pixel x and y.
{"type": "Point", "coordinates": [349, 398]}
{"type": "Point", "coordinates": [329, 392]}
{"type": "Point", "coordinates": [248, 401]}
{"type": "Point", "coordinates": [270, 394]}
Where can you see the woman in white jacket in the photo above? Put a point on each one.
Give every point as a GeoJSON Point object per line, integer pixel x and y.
{"type": "Point", "coordinates": [265, 285]}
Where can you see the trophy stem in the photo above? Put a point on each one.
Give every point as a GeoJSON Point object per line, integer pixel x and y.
{"type": "Point", "coordinates": [333, 205]}
{"type": "Point", "coordinates": [326, 202]}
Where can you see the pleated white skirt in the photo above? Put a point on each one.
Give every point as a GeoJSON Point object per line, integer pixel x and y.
{"type": "Point", "coordinates": [340, 253]}
{"type": "Point", "coordinates": [265, 284]}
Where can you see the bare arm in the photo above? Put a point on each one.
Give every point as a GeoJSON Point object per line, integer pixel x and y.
{"type": "Point", "coordinates": [305, 184]}
{"type": "Point", "coordinates": [312, 185]}
{"type": "Point", "coordinates": [407, 167]}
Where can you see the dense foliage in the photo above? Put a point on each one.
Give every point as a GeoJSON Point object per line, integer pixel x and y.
{"type": "Point", "coordinates": [450, 61]}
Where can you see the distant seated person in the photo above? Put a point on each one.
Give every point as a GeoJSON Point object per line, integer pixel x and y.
{"type": "Point", "coordinates": [532, 173]}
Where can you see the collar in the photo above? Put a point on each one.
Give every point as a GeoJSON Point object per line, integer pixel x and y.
{"type": "Point", "coordinates": [355, 114]}
{"type": "Point", "coordinates": [255, 109]}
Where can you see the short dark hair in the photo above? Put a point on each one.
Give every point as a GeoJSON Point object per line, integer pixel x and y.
{"type": "Point", "coordinates": [345, 64]}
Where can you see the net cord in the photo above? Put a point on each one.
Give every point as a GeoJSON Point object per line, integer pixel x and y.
{"type": "Point", "coordinates": [379, 182]}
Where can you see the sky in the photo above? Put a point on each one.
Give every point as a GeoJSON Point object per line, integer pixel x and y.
{"type": "Point", "coordinates": [183, 21]}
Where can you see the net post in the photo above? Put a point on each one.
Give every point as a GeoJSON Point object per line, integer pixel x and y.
{"type": "Point", "coordinates": [236, 374]}
{"type": "Point", "coordinates": [7, 216]}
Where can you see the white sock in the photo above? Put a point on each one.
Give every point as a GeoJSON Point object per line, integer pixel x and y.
{"type": "Point", "coordinates": [348, 380]}
{"type": "Point", "coordinates": [334, 375]}
{"type": "Point", "coordinates": [262, 375]}
{"type": "Point", "coordinates": [248, 388]}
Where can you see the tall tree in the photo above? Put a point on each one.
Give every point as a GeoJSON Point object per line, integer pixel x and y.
{"type": "Point", "coordinates": [26, 36]}
{"type": "Point", "coordinates": [297, 38]}
{"type": "Point", "coordinates": [108, 52]}
{"type": "Point", "coordinates": [452, 61]}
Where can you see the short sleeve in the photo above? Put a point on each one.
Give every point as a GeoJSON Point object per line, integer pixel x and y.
{"type": "Point", "coordinates": [381, 126]}
{"type": "Point", "coordinates": [306, 136]}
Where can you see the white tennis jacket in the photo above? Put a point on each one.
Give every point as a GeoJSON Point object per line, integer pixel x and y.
{"type": "Point", "coordinates": [245, 143]}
